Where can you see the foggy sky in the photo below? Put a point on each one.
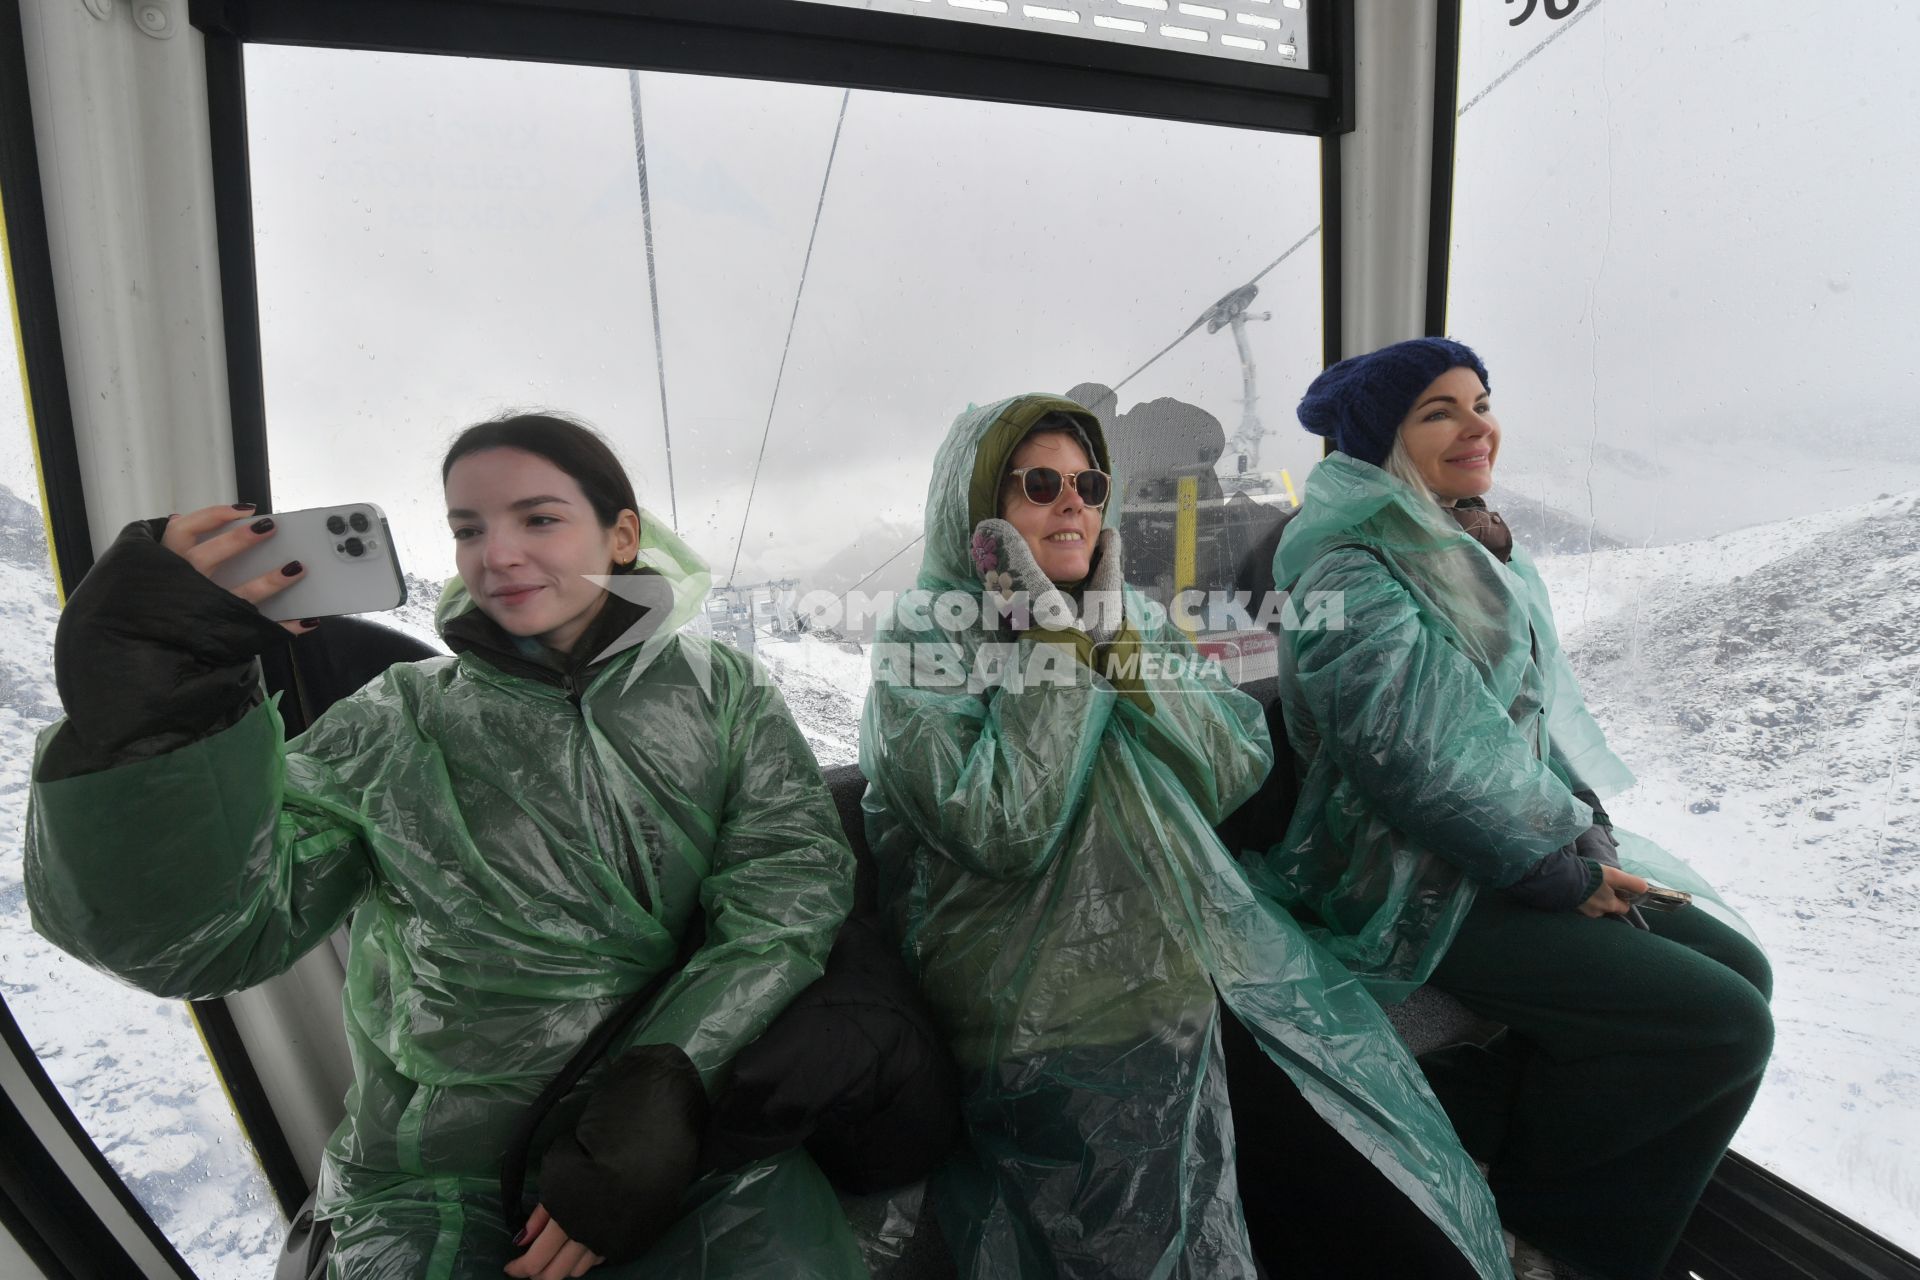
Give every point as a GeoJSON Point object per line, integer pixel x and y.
{"type": "Point", "coordinates": [1683, 243]}
{"type": "Point", "coordinates": [445, 238]}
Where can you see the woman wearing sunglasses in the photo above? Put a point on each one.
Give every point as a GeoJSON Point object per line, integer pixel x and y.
{"type": "Point", "coordinates": [1449, 828]}
{"type": "Point", "coordinates": [1124, 1008]}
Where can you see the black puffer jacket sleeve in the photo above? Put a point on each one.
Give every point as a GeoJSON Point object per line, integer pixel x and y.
{"type": "Point", "coordinates": [149, 656]}
{"type": "Point", "coordinates": [853, 1069]}
{"type": "Point", "coordinates": [616, 1182]}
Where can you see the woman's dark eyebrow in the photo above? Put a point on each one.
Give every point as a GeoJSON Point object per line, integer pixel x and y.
{"type": "Point", "coordinates": [461, 513]}
{"type": "Point", "coordinates": [1431, 399]}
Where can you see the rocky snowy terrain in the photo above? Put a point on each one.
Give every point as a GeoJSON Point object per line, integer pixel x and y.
{"type": "Point", "coordinates": [1760, 683]}
{"type": "Point", "coordinates": [1762, 686]}
{"type": "Point", "coordinates": [825, 684]}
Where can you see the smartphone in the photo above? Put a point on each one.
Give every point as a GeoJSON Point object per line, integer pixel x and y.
{"type": "Point", "coordinates": [1660, 898]}
{"type": "Point", "coordinates": [348, 554]}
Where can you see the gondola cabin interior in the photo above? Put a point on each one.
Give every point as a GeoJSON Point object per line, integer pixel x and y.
{"type": "Point", "coordinates": [281, 250]}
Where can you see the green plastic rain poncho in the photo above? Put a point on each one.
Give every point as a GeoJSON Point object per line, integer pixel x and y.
{"type": "Point", "coordinates": [1440, 730]}
{"type": "Point", "coordinates": [513, 863]}
{"type": "Point", "coordinates": [1048, 856]}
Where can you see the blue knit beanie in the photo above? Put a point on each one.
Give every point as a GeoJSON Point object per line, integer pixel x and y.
{"type": "Point", "coordinates": [1359, 403]}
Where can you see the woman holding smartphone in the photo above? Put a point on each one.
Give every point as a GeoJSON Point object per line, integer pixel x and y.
{"type": "Point", "coordinates": [1449, 829]}
{"type": "Point", "coordinates": [1161, 1076]}
{"type": "Point", "coordinates": [583, 804]}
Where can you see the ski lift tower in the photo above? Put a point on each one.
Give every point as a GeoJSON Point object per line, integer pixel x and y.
{"type": "Point", "coordinates": [1231, 313]}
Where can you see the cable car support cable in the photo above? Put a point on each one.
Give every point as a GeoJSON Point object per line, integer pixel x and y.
{"type": "Point", "coordinates": [792, 320]}
{"type": "Point", "coordinates": [653, 285]}
{"type": "Point", "coordinates": [1292, 249]}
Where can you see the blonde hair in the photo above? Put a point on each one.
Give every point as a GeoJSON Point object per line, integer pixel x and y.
{"type": "Point", "coordinates": [1456, 578]}
{"type": "Point", "coordinates": [1399, 465]}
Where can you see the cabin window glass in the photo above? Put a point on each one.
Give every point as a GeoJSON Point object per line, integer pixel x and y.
{"type": "Point", "coordinates": [1683, 243]}
{"type": "Point", "coordinates": [131, 1067]}
{"type": "Point", "coordinates": [1269, 32]}
{"type": "Point", "coordinates": [440, 240]}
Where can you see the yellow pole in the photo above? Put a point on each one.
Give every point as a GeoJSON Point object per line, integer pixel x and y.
{"type": "Point", "coordinates": [1186, 526]}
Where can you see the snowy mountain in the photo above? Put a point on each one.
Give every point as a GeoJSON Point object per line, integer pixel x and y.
{"type": "Point", "coordinates": [1690, 479]}
{"type": "Point", "coordinates": [415, 617]}
{"type": "Point", "coordinates": [825, 684]}
{"type": "Point", "coordinates": [25, 687]}
{"type": "Point", "coordinates": [23, 541]}
{"type": "Point", "coordinates": [866, 554]}
{"type": "Point", "coordinates": [1544, 529]}
{"type": "Point", "coordinates": [1762, 686]}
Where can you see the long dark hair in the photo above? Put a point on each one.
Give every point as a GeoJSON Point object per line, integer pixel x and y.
{"type": "Point", "coordinates": [574, 447]}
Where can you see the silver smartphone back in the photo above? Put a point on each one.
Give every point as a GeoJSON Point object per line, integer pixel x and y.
{"type": "Point", "coordinates": [347, 551]}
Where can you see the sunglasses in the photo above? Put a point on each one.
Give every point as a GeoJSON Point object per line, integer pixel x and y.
{"type": "Point", "coordinates": [1042, 485]}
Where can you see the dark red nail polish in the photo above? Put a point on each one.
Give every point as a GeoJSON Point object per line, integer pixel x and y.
{"type": "Point", "coordinates": [291, 569]}
{"type": "Point", "coordinates": [245, 506]}
{"type": "Point", "coordinates": [521, 1238]}
{"type": "Point", "coordinates": [263, 525]}
{"type": "Point", "coordinates": [309, 622]}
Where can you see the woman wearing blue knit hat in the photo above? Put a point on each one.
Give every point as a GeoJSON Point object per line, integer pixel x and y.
{"type": "Point", "coordinates": [1449, 830]}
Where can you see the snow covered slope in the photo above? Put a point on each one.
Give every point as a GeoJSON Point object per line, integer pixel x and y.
{"type": "Point", "coordinates": [825, 684]}
{"type": "Point", "coordinates": [1762, 686]}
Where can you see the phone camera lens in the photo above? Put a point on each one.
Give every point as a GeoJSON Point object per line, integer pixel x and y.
{"type": "Point", "coordinates": [355, 547]}
{"type": "Point", "coordinates": [359, 521]}
{"type": "Point", "coordinates": [335, 525]}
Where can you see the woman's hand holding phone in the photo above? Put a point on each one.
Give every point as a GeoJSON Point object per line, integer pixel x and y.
{"type": "Point", "coordinates": [183, 538]}
{"type": "Point", "coordinates": [1615, 895]}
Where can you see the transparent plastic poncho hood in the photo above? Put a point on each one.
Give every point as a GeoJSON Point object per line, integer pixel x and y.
{"type": "Point", "coordinates": [1047, 854]}
{"type": "Point", "coordinates": [1440, 730]}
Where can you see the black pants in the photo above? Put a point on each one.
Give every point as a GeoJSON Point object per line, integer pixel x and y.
{"type": "Point", "coordinates": [1629, 1061]}
{"type": "Point", "coordinates": [1314, 1205]}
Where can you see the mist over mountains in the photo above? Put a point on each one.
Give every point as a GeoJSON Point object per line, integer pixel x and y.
{"type": "Point", "coordinates": [1685, 481]}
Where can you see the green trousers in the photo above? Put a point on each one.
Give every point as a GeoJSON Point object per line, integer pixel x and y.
{"type": "Point", "coordinates": [1629, 1060]}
